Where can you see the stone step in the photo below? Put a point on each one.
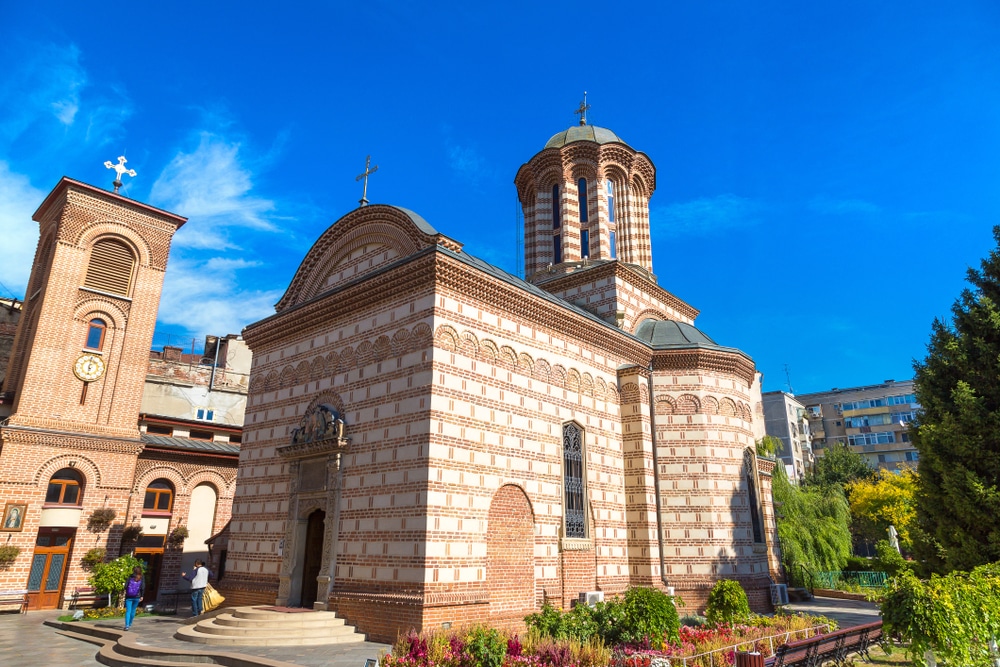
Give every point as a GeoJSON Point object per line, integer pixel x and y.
{"type": "Point", "coordinates": [191, 633]}
{"type": "Point", "coordinates": [260, 629]}
{"type": "Point", "coordinates": [294, 621]}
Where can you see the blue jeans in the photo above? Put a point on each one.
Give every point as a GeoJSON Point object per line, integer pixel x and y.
{"type": "Point", "coordinates": [196, 595]}
{"type": "Point", "coordinates": [130, 606]}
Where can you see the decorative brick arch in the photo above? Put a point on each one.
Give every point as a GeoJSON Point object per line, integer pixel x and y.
{"type": "Point", "coordinates": [86, 467]}
{"type": "Point", "coordinates": [446, 338]}
{"type": "Point", "coordinates": [211, 477]}
{"type": "Point", "coordinates": [382, 349]}
{"type": "Point", "coordinates": [347, 358]}
{"type": "Point", "coordinates": [287, 378]}
{"type": "Point", "coordinates": [421, 335]}
{"type": "Point", "coordinates": [317, 370]}
{"type": "Point", "coordinates": [543, 371]}
{"type": "Point", "coordinates": [525, 364]}
{"type": "Point", "coordinates": [727, 407]}
{"type": "Point", "coordinates": [688, 404]}
{"type": "Point", "coordinates": [302, 372]}
{"type": "Point", "coordinates": [365, 354]}
{"type": "Point", "coordinates": [665, 405]}
{"type": "Point", "coordinates": [710, 405]}
{"type": "Point", "coordinates": [488, 351]}
{"type": "Point", "coordinates": [573, 380]}
{"type": "Point", "coordinates": [107, 229]}
{"type": "Point", "coordinates": [648, 314]}
{"type": "Point", "coordinates": [630, 393]}
{"type": "Point", "coordinates": [510, 555]}
{"type": "Point", "coordinates": [169, 473]}
{"type": "Point", "coordinates": [103, 307]}
{"type": "Point", "coordinates": [401, 341]}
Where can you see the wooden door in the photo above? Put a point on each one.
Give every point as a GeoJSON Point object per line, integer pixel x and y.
{"type": "Point", "coordinates": [153, 558]}
{"type": "Point", "coordinates": [48, 567]}
{"type": "Point", "coordinates": [313, 558]}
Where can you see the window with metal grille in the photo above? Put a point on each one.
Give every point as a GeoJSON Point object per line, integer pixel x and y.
{"type": "Point", "coordinates": [110, 268]}
{"type": "Point", "coordinates": [576, 523]}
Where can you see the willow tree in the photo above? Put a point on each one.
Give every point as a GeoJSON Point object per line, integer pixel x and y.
{"type": "Point", "coordinates": [957, 432]}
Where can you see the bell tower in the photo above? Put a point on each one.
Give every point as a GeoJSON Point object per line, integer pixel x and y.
{"type": "Point", "coordinates": [81, 351]}
{"type": "Point", "coordinates": [585, 198]}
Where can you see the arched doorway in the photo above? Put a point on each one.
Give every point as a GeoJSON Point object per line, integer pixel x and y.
{"type": "Point", "coordinates": [312, 557]}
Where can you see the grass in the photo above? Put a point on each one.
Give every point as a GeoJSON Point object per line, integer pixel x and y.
{"type": "Point", "coordinates": [880, 657]}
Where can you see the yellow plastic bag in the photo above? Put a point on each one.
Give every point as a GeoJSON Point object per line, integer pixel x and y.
{"type": "Point", "coordinates": [211, 599]}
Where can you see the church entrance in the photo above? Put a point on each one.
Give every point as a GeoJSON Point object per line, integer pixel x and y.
{"type": "Point", "coordinates": [312, 560]}
{"type": "Point", "coordinates": [48, 567]}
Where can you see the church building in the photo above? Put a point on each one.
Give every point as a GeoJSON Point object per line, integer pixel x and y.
{"type": "Point", "coordinates": [431, 441]}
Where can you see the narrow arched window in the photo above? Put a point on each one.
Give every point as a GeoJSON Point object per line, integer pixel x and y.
{"type": "Point", "coordinates": [611, 243]}
{"type": "Point", "coordinates": [752, 496]}
{"type": "Point", "coordinates": [556, 249]}
{"type": "Point", "coordinates": [159, 496]}
{"type": "Point", "coordinates": [611, 201]}
{"type": "Point", "coordinates": [581, 187]}
{"type": "Point", "coordinates": [110, 268]}
{"type": "Point", "coordinates": [573, 482]}
{"type": "Point", "coordinates": [95, 334]}
{"type": "Point", "coordinates": [65, 488]}
{"type": "Point", "coordinates": [584, 243]}
{"type": "Point", "coordinates": [556, 220]}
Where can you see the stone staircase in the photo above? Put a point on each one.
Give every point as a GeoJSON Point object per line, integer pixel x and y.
{"type": "Point", "coordinates": [270, 626]}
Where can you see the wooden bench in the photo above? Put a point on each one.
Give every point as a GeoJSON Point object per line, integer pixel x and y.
{"type": "Point", "coordinates": [831, 647]}
{"type": "Point", "coordinates": [86, 596]}
{"type": "Point", "coordinates": [15, 598]}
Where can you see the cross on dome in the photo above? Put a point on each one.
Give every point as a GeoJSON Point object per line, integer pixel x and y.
{"type": "Point", "coordinates": [582, 110]}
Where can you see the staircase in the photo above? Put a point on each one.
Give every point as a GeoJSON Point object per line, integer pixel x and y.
{"type": "Point", "coordinates": [270, 626]}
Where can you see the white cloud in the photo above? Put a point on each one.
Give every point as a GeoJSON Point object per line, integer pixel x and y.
{"type": "Point", "coordinates": [209, 296]}
{"type": "Point", "coordinates": [18, 200]}
{"type": "Point", "coordinates": [830, 206]}
{"type": "Point", "coordinates": [466, 162]}
{"type": "Point", "coordinates": [707, 215]}
{"type": "Point", "coordinates": [212, 185]}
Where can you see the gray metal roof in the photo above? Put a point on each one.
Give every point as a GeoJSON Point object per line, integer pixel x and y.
{"type": "Point", "coordinates": [418, 220]}
{"type": "Point", "coordinates": [669, 335]}
{"type": "Point", "coordinates": [189, 445]}
{"type": "Point", "coordinates": [593, 133]}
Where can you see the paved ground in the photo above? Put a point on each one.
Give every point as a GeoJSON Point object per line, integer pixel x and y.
{"type": "Point", "coordinates": [25, 642]}
{"type": "Point", "coordinates": [847, 613]}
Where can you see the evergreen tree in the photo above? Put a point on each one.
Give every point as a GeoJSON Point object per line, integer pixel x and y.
{"type": "Point", "coordinates": [958, 429]}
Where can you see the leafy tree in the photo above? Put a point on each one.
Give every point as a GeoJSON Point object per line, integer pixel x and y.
{"type": "Point", "coordinates": [768, 446]}
{"type": "Point", "coordinates": [887, 500]}
{"type": "Point", "coordinates": [840, 465]}
{"type": "Point", "coordinates": [110, 577]}
{"type": "Point", "coordinates": [958, 428]}
{"type": "Point", "coordinates": [813, 526]}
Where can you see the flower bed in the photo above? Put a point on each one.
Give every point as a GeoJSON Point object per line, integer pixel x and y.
{"type": "Point", "coordinates": [486, 647]}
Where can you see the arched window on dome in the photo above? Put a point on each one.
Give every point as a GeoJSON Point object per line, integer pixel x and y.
{"type": "Point", "coordinates": [584, 244]}
{"type": "Point", "coordinates": [95, 334]}
{"type": "Point", "coordinates": [581, 187]}
{"type": "Point", "coordinates": [574, 485]}
{"type": "Point", "coordinates": [611, 200]}
{"type": "Point", "coordinates": [556, 205]}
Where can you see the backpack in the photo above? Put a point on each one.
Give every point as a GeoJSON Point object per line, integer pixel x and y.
{"type": "Point", "coordinates": [133, 587]}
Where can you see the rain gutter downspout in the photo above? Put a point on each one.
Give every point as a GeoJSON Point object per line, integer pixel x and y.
{"type": "Point", "coordinates": [656, 476]}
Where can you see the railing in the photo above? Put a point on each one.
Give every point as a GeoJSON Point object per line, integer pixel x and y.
{"type": "Point", "coordinates": [862, 579]}
{"type": "Point", "coordinates": [786, 637]}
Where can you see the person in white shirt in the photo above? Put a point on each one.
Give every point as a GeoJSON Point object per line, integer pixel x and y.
{"type": "Point", "coordinates": [198, 579]}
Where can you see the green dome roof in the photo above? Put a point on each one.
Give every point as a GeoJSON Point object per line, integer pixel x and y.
{"type": "Point", "coordinates": [598, 135]}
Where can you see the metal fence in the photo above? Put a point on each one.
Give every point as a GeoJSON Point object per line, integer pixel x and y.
{"type": "Point", "coordinates": [863, 579]}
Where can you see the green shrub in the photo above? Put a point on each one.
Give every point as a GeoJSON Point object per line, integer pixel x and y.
{"type": "Point", "coordinates": [727, 603]}
{"type": "Point", "coordinates": [888, 560]}
{"type": "Point", "coordinates": [857, 564]}
{"type": "Point", "coordinates": [649, 614]}
{"type": "Point", "coordinates": [111, 577]}
{"type": "Point", "coordinates": [692, 620]}
{"type": "Point", "coordinates": [548, 622]}
{"type": "Point", "coordinates": [486, 646]}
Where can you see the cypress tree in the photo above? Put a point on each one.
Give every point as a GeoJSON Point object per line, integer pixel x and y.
{"type": "Point", "coordinates": [957, 431]}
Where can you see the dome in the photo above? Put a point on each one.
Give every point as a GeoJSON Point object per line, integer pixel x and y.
{"type": "Point", "coordinates": [598, 135]}
{"type": "Point", "coordinates": [662, 334]}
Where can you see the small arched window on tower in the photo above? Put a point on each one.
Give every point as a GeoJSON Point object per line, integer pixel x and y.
{"type": "Point", "coordinates": [581, 187]}
{"type": "Point", "coordinates": [574, 489]}
{"type": "Point", "coordinates": [611, 200]}
{"type": "Point", "coordinates": [111, 265]}
{"type": "Point", "coordinates": [96, 329]}
{"type": "Point", "coordinates": [611, 243]}
{"type": "Point", "coordinates": [556, 205]}
{"type": "Point", "coordinates": [65, 488]}
{"type": "Point", "coordinates": [750, 470]}
{"type": "Point", "coordinates": [159, 496]}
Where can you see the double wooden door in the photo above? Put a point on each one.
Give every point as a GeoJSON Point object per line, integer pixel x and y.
{"type": "Point", "coordinates": [49, 563]}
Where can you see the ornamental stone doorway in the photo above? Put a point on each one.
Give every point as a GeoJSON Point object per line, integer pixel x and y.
{"type": "Point", "coordinates": [308, 555]}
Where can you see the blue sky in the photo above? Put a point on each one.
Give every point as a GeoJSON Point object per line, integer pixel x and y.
{"type": "Point", "coordinates": [826, 171]}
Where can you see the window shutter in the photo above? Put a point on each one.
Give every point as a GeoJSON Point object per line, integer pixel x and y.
{"type": "Point", "coordinates": [110, 269]}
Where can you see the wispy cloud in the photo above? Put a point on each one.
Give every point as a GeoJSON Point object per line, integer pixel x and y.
{"type": "Point", "coordinates": [833, 206]}
{"type": "Point", "coordinates": [211, 296]}
{"type": "Point", "coordinates": [212, 184]}
{"type": "Point", "coordinates": [708, 215]}
{"type": "Point", "coordinates": [18, 200]}
{"type": "Point", "coordinates": [466, 162]}
{"type": "Point", "coordinates": [50, 96]}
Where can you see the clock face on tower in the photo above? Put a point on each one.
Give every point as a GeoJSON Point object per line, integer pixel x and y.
{"type": "Point", "coordinates": [89, 367]}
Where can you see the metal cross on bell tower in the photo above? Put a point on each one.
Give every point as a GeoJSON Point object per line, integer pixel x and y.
{"type": "Point", "coordinates": [582, 111]}
{"type": "Point", "coordinates": [120, 169]}
{"type": "Point", "coordinates": [369, 170]}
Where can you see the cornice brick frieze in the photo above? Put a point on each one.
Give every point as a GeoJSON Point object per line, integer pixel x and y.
{"type": "Point", "coordinates": [67, 440]}
{"type": "Point", "coordinates": [688, 360]}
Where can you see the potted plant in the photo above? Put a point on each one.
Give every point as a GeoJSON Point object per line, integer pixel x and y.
{"type": "Point", "coordinates": [177, 536]}
{"type": "Point", "coordinates": [91, 559]}
{"type": "Point", "coordinates": [101, 519]}
{"type": "Point", "coordinates": [8, 554]}
{"type": "Point", "coordinates": [131, 534]}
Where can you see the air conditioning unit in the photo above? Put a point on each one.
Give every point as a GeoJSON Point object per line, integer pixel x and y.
{"type": "Point", "coordinates": [590, 598]}
{"type": "Point", "coordinates": [779, 594]}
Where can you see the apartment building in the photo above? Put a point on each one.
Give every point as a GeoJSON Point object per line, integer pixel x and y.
{"type": "Point", "coordinates": [785, 419]}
